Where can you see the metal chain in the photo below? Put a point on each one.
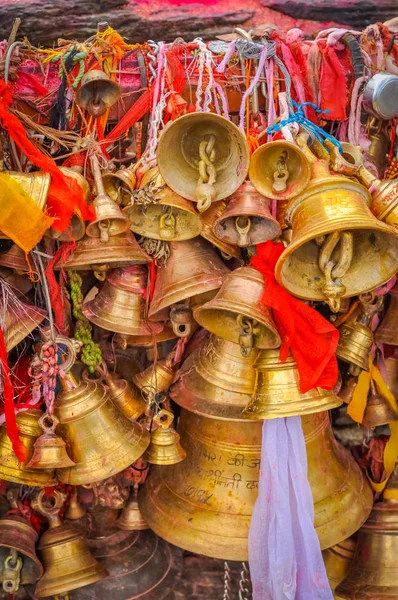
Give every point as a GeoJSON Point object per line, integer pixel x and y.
{"type": "Point", "coordinates": [244, 583]}
{"type": "Point", "coordinates": [333, 271]}
{"type": "Point", "coordinates": [227, 581]}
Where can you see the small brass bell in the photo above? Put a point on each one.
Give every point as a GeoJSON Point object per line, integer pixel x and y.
{"type": "Point", "coordinates": [49, 451]}
{"type": "Point", "coordinates": [165, 447]}
{"type": "Point", "coordinates": [120, 185]}
{"type": "Point", "coordinates": [277, 391]}
{"type": "Point", "coordinates": [131, 518]}
{"type": "Point", "coordinates": [109, 219]}
{"type": "Point", "coordinates": [210, 157]}
{"type": "Point", "coordinates": [158, 377]}
{"type": "Point", "coordinates": [68, 564]}
{"type": "Point", "coordinates": [355, 345]}
{"type": "Point", "coordinates": [97, 92]}
{"type": "Point", "coordinates": [125, 396]}
{"type": "Point", "coordinates": [378, 410]}
{"type": "Point", "coordinates": [387, 332]}
{"type": "Point", "coordinates": [238, 314]}
{"type": "Point", "coordinates": [208, 218]}
{"type": "Point", "coordinates": [19, 564]}
{"type": "Point", "coordinates": [162, 214]}
{"type": "Point", "coordinates": [75, 509]}
{"type": "Point", "coordinates": [247, 220]}
{"type": "Point", "coordinates": [279, 170]}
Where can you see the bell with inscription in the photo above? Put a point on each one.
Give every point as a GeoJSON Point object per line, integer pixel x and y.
{"type": "Point", "coordinates": [165, 447]}
{"type": "Point", "coordinates": [277, 390]}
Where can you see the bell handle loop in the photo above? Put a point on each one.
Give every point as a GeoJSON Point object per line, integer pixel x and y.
{"type": "Point", "coordinates": [50, 512]}
{"type": "Point", "coordinates": [48, 423]}
{"type": "Point", "coordinates": [164, 418]}
{"type": "Point", "coordinates": [86, 376]}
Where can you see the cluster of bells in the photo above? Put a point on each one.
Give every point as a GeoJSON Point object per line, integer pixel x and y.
{"type": "Point", "coordinates": [341, 241]}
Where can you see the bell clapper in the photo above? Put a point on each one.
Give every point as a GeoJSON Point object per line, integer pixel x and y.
{"type": "Point", "coordinates": [246, 334]}
{"type": "Point", "coordinates": [333, 271]}
{"type": "Point", "coordinates": [167, 226]}
{"type": "Point", "coordinates": [181, 319]}
{"type": "Point", "coordinates": [205, 193]}
{"type": "Point", "coordinates": [12, 572]}
{"type": "Point", "coordinates": [243, 225]}
{"type": "Point", "coordinates": [281, 175]}
{"type": "Point", "coordinates": [103, 227]}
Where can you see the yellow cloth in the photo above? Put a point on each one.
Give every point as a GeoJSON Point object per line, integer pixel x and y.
{"type": "Point", "coordinates": [20, 217]}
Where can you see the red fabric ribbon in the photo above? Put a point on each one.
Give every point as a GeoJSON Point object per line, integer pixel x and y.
{"type": "Point", "coordinates": [9, 407]}
{"type": "Point", "coordinates": [333, 85]}
{"type": "Point", "coordinates": [309, 336]}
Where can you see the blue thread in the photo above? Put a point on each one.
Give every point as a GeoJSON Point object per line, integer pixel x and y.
{"type": "Point", "coordinates": [300, 118]}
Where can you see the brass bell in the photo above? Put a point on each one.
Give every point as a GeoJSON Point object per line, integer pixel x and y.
{"type": "Point", "coordinates": [387, 332]}
{"type": "Point", "coordinates": [338, 560]}
{"type": "Point", "coordinates": [162, 214]}
{"type": "Point", "coordinates": [68, 564]}
{"type": "Point", "coordinates": [109, 219]}
{"type": "Point", "coordinates": [119, 305]}
{"type": "Point", "coordinates": [165, 447]}
{"type": "Point", "coordinates": [131, 518]}
{"type": "Point", "coordinates": [209, 161]}
{"type": "Point", "coordinates": [124, 395]}
{"type": "Point", "coordinates": [208, 218]}
{"type": "Point", "coordinates": [97, 92]}
{"type": "Point", "coordinates": [373, 572]}
{"type": "Point", "coordinates": [247, 220]}
{"type": "Point", "coordinates": [238, 314]}
{"type": "Point", "coordinates": [156, 378]}
{"type": "Point", "coordinates": [392, 373]}
{"type": "Point", "coordinates": [193, 271]}
{"type": "Point", "coordinates": [19, 563]}
{"type": "Point", "coordinates": [49, 450]}
{"type": "Point", "coordinates": [355, 345]}
{"type": "Point", "coordinates": [215, 380]}
{"type": "Point", "coordinates": [347, 390]}
{"type": "Point", "coordinates": [75, 509]}
{"type": "Point", "coordinates": [338, 248]}
{"type": "Point", "coordinates": [20, 284]}
{"type": "Point", "coordinates": [10, 467]}
{"type": "Point", "coordinates": [20, 321]}
{"type": "Point", "coordinates": [279, 170]}
{"type": "Point", "coordinates": [378, 410]}
{"type": "Point", "coordinates": [102, 441]}
{"type": "Point", "coordinates": [145, 341]}
{"type": "Point", "coordinates": [120, 185]}
{"type": "Point", "coordinates": [277, 390]}
{"type": "Point", "coordinates": [119, 251]}
{"type": "Point", "coordinates": [15, 258]}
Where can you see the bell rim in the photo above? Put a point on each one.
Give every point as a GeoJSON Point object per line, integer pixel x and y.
{"type": "Point", "coordinates": [192, 227]}
{"type": "Point", "coordinates": [168, 298]}
{"type": "Point", "coordinates": [292, 409]}
{"type": "Point", "coordinates": [140, 330]}
{"type": "Point", "coordinates": [90, 575]}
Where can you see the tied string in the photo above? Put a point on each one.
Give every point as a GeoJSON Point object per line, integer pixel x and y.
{"type": "Point", "coordinates": [310, 337]}
{"type": "Point", "coordinates": [65, 196]}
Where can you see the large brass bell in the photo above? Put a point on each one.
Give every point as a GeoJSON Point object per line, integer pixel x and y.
{"type": "Point", "coordinates": [20, 321]}
{"type": "Point", "coordinates": [109, 219]}
{"type": "Point", "coordinates": [119, 305]}
{"type": "Point", "coordinates": [238, 314]}
{"type": "Point", "coordinates": [338, 248]}
{"type": "Point", "coordinates": [373, 573]}
{"type": "Point", "coordinates": [120, 185]}
{"type": "Point", "coordinates": [194, 271]}
{"type": "Point", "coordinates": [102, 441]}
{"type": "Point", "coordinates": [131, 518]}
{"type": "Point", "coordinates": [10, 467]}
{"type": "Point", "coordinates": [97, 92]}
{"type": "Point", "coordinates": [165, 447]}
{"type": "Point", "coordinates": [156, 378]}
{"type": "Point", "coordinates": [215, 380]}
{"type": "Point", "coordinates": [247, 220]}
{"type": "Point", "coordinates": [68, 564]}
{"type": "Point", "coordinates": [208, 218]}
{"type": "Point", "coordinates": [378, 410]}
{"type": "Point", "coordinates": [277, 390]}
{"type": "Point", "coordinates": [387, 332]}
{"type": "Point", "coordinates": [159, 213]}
{"type": "Point", "coordinates": [209, 161]}
{"type": "Point", "coordinates": [19, 564]}
{"type": "Point", "coordinates": [279, 170]}
{"type": "Point", "coordinates": [119, 251]}
{"type": "Point", "coordinates": [49, 451]}
{"type": "Point", "coordinates": [338, 560]}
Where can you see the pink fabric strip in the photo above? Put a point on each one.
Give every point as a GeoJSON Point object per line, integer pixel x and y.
{"type": "Point", "coordinates": [223, 64]}
{"type": "Point", "coordinates": [250, 89]}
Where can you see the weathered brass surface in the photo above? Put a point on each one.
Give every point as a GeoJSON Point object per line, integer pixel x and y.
{"type": "Point", "coordinates": [193, 269]}
{"type": "Point", "coordinates": [338, 560]}
{"type": "Point", "coordinates": [131, 518]}
{"type": "Point", "coordinates": [392, 374]}
{"type": "Point", "coordinates": [155, 378]}
{"type": "Point", "coordinates": [387, 332]}
{"type": "Point", "coordinates": [49, 451]}
{"type": "Point", "coordinates": [208, 218]}
{"type": "Point", "coordinates": [355, 344]}
{"type": "Point", "coordinates": [277, 390]}
{"type": "Point", "coordinates": [125, 396]}
{"type": "Point", "coordinates": [120, 185]}
{"type": "Point", "coordinates": [246, 220]}
{"type": "Point", "coordinates": [19, 322]}
{"type": "Point", "coordinates": [165, 447]}
{"type": "Point", "coordinates": [101, 440]}
{"type": "Point", "coordinates": [240, 295]}
{"type": "Point", "coordinates": [97, 92]}
{"type": "Point", "coordinates": [378, 410]}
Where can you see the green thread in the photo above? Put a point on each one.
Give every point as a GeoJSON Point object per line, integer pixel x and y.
{"type": "Point", "coordinates": [91, 353]}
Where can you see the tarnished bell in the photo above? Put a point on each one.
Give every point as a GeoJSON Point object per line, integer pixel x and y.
{"type": "Point", "coordinates": [120, 185]}
{"type": "Point", "coordinates": [49, 451]}
{"type": "Point", "coordinates": [75, 509]}
{"type": "Point", "coordinates": [247, 220]}
{"type": "Point", "coordinates": [20, 322]}
{"type": "Point", "coordinates": [119, 305]}
{"type": "Point", "coordinates": [10, 467]}
{"type": "Point", "coordinates": [387, 332]}
{"type": "Point", "coordinates": [392, 374]}
{"type": "Point", "coordinates": [165, 447]}
{"type": "Point", "coordinates": [97, 92]}
{"type": "Point", "coordinates": [338, 560]}
{"type": "Point", "coordinates": [131, 518]}
{"type": "Point", "coordinates": [237, 313]}
{"type": "Point", "coordinates": [68, 564]}
{"type": "Point", "coordinates": [373, 574]}
{"type": "Point", "coordinates": [209, 161]}
{"type": "Point", "coordinates": [193, 270]}
{"type": "Point", "coordinates": [109, 219]}
{"type": "Point", "coordinates": [102, 441]}
{"type": "Point", "coordinates": [119, 251]}
{"type": "Point", "coordinates": [338, 248]}
{"type": "Point", "coordinates": [355, 345]}
{"type": "Point", "coordinates": [378, 410]}
{"type": "Point", "coordinates": [277, 390]}
{"type": "Point", "coordinates": [155, 378]}
{"type": "Point", "coordinates": [208, 218]}
{"type": "Point", "coordinates": [215, 380]}
{"type": "Point", "coordinates": [162, 214]}
{"type": "Point", "coordinates": [279, 170]}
